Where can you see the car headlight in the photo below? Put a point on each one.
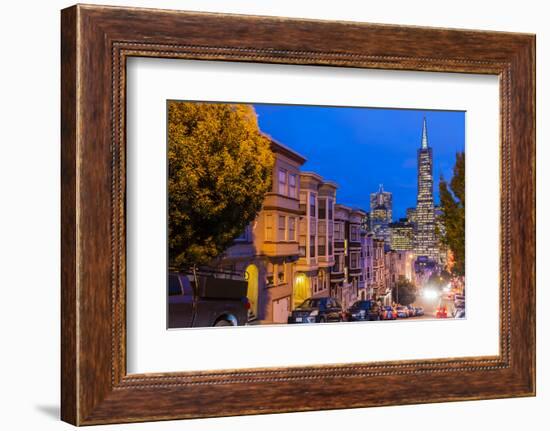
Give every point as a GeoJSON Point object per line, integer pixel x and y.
{"type": "Point", "coordinates": [314, 313]}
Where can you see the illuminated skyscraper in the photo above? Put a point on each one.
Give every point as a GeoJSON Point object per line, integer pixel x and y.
{"type": "Point", "coordinates": [425, 238]}
{"type": "Point", "coordinates": [381, 214]}
{"type": "Point", "coordinates": [382, 198]}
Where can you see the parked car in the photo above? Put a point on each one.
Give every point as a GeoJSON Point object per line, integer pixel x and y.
{"type": "Point", "coordinates": [362, 311]}
{"type": "Point", "coordinates": [412, 310]}
{"type": "Point", "coordinates": [402, 311]}
{"type": "Point", "coordinates": [419, 311]}
{"type": "Point", "coordinates": [459, 313]}
{"type": "Point", "coordinates": [209, 299]}
{"type": "Point", "coordinates": [387, 312]}
{"type": "Point", "coordinates": [441, 312]}
{"type": "Point", "coordinates": [317, 310]}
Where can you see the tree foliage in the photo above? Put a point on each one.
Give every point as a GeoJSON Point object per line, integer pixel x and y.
{"type": "Point", "coordinates": [219, 169]}
{"type": "Point", "coordinates": [404, 292]}
{"type": "Point", "coordinates": [453, 204]}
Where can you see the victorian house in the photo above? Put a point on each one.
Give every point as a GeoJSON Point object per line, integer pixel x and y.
{"type": "Point", "coordinates": [268, 250]}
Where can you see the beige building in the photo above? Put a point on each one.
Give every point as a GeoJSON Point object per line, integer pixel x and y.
{"type": "Point", "coordinates": [316, 241]}
{"type": "Point", "coordinates": [355, 257]}
{"type": "Point", "coordinates": [347, 272]}
{"type": "Point", "coordinates": [380, 270]}
{"type": "Point", "coordinates": [287, 253]}
{"type": "Point", "coordinates": [268, 249]}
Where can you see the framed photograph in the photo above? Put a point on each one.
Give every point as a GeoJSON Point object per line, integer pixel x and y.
{"type": "Point", "coordinates": [267, 215]}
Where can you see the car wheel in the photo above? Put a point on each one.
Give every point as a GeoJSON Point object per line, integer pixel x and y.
{"type": "Point", "coordinates": [223, 323]}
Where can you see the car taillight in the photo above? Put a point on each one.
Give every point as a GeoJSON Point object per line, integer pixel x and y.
{"type": "Point", "coordinates": [247, 305]}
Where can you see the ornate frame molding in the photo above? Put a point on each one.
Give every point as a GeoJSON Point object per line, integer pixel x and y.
{"type": "Point", "coordinates": [96, 41]}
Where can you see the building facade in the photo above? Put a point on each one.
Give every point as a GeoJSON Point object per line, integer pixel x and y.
{"type": "Point", "coordinates": [368, 252]}
{"type": "Point", "coordinates": [268, 250]}
{"type": "Point", "coordinates": [380, 272]}
{"type": "Point", "coordinates": [382, 198]}
{"type": "Point", "coordinates": [316, 238]}
{"type": "Point", "coordinates": [401, 235]}
{"type": "Point", "coordinates": [339, 279]}
{"type": "Point", "coordinates": [355, 259]}
{"type": "Point", "coordinates": [381, 214]}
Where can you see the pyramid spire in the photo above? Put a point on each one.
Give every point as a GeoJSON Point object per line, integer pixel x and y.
{"type": "Point", "coordinates": [424, 135]}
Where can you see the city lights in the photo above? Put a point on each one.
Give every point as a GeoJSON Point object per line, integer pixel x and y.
{"type": "Point", "coordinates": [430, 294]}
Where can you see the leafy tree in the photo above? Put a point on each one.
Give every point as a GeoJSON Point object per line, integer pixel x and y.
{"type": "Point", "coordinates": [219, 169]}
{"type": "Point", "coordinates": [404, 292]}
{"type": "Point", "coordinates": [453, 204]}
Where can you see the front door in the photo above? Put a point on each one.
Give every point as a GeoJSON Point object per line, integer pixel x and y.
{"type": "Point", "coordinates": [301, 290]}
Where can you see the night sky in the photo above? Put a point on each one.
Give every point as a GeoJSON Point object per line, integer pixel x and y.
{"type": "Point", "coordinates": [360, 148]}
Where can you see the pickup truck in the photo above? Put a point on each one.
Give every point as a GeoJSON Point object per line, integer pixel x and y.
{"type": "Point", "coordinates": [204, 300]}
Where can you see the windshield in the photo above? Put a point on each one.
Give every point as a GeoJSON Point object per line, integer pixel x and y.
{"type": "Point", "coordinates": [310, 303]}
{"type": "Point", "coordinates": [174, 286]}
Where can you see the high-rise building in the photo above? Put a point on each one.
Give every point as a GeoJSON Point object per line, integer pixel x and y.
{"type": "Point", "coordinates": [402, 235]}
{"type": "Point", "coordinates": [382, 198]}
{"type": "Point", "coordinates": [381, 214]}
{"type": "Point", "coordinates": [425, 238]}
{"type": "Point", "coordinates": [411, 215]}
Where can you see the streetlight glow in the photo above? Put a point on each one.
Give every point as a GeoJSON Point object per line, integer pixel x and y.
{"type": "Point", "coordinates": [430, 294]}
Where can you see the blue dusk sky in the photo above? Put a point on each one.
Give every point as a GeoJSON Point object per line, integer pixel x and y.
{"type": "Point", "coordinates": [360, 148]}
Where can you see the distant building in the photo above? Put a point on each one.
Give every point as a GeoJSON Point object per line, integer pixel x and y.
{"type": "Point", "coordinates": [425, 238]}
{"type": "Point", "coordinates": [411, 215]}
{"type": "Point", "coordinates": [401, 235]}
{"type": "Point", "coordinates": [365, 223]}
{"type": "Point", "coordinates": [381, 289]}
{"type": "Point", "coordinates": [382, 198]}
{"type": "Point", "coordinates": [401, 266]}
{"type": "Point", "coordinates": [381, 214]}
{"type": "Point", "coordinates": [379, 223]}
